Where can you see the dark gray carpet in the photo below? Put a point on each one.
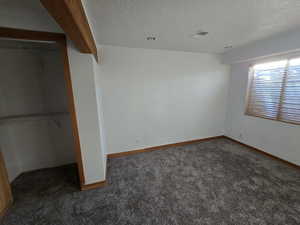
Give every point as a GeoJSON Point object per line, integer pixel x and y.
{"type": "Point", "coordinates": [217, 182]}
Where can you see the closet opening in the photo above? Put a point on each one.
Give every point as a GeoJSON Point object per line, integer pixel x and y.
{"type": "Point", "coordinates": [38, 127]}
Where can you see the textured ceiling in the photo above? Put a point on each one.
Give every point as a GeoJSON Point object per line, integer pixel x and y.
{"type": "Point", "coordinates": [27, 14]}
{"type": "Point", "coordinates": [173, 22]}
{"type": "Point", "coordinates": [229, 22]}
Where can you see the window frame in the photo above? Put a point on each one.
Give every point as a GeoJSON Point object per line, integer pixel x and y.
{"type": "Point", "coordinates": [250, 83]}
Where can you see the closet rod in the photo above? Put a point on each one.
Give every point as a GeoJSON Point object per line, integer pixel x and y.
{"type": "Point", "coordinates": [33, 116]}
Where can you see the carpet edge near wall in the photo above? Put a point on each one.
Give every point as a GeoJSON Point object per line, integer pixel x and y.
{"type": "Point", "coordinates": [162, 147]}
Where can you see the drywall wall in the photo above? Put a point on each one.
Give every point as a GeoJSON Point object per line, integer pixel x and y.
{"type": "Point", "coordinates": [277, 138]}
{"type": "Point", "coordinates": [278, 44]}
{"type": "Point", "coordinates": [54, 84]}
{"type": "Point", "coordinates": [18, 87]}
{"type": "Point", "coordinates": [156, 97]}
{"type": "Point", "coordinates": [86, 104]}
{"type": "Point", "coordinates": [13, 166]}
{"type": "Point", "coordinates": [99, 96]}
{"type": "Point", "coordinates": [56, 100]}
{"type": "Point", "coordinates": [32, 82]}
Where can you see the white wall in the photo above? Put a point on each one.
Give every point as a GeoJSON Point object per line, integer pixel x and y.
{"type": "Point", "coordinates": [156, 97]}
{"type": "Point", "coordinates": [275, 45]}
{"type": "Point", "coordinates": [99, 96]}
{"type": "Point", "coordinates": [277, 138]}
{"type": "Point", "coordinates": [56, 100]}
{"type": "Point", "coordinates": [29, 81]}
{"type": "Point", "coordinates": [86, 104]}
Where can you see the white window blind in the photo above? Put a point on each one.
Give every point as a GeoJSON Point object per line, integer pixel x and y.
{"type": "Point", "coordinates": [274, 91]}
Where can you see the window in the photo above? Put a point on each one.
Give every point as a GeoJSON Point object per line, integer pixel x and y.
{"type": "Point", "coordinates": [274, 91]}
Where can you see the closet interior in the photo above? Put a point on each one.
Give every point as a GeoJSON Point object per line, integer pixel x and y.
{"type": "Point", "coordinates": [35, 124]}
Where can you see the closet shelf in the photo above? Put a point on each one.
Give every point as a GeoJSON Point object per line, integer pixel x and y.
{"type": "Point", "coordinates": [31, 117]}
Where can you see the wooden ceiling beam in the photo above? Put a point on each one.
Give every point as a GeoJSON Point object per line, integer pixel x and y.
{"type": "Point", "coordinates": [70, 15]}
